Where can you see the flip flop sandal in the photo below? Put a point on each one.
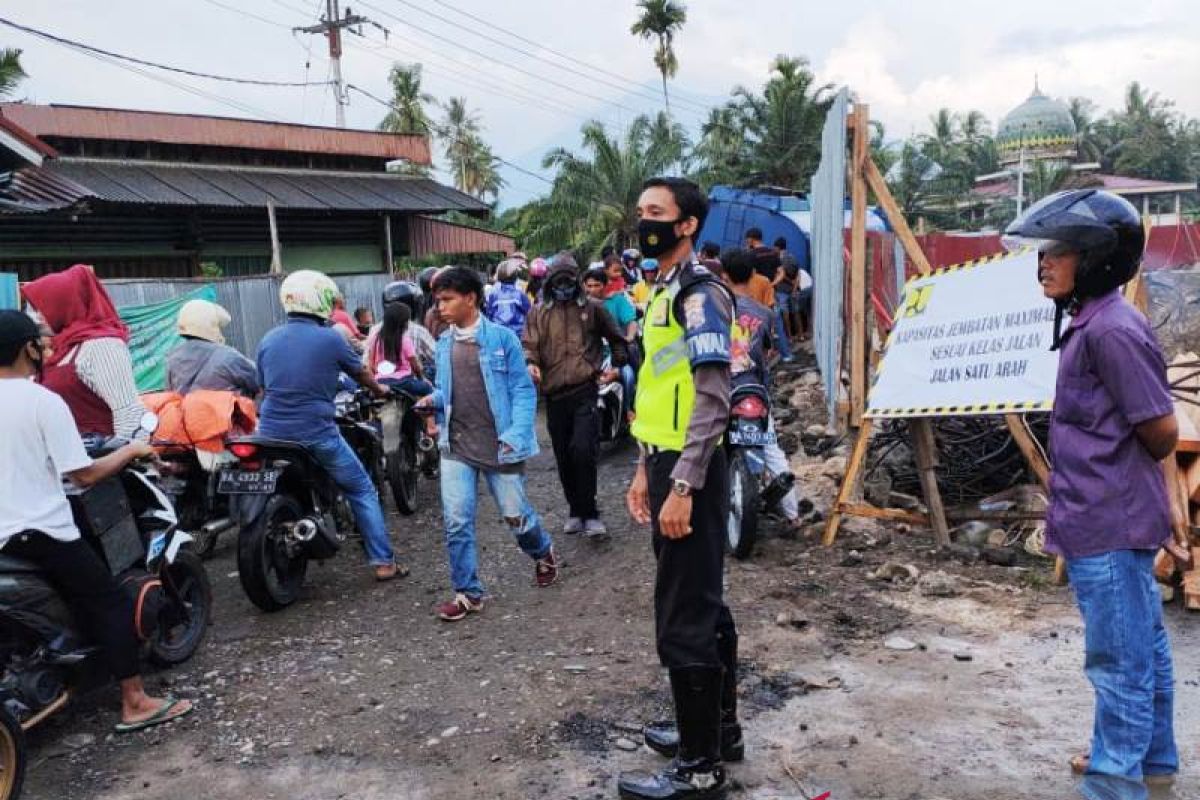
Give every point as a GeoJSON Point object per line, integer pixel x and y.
{"type": "Point", "coordinates": [164, 714]}
{"type": "Point", "coordinates": [382, 574]}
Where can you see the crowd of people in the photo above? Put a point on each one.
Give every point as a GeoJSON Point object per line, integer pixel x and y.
{"type": "Point", "coordinates": [679, 327]}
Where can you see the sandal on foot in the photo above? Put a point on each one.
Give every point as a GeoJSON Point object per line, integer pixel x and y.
{"type": "Point", "coordinates": [386, 572]}
{"type": "Point", "coordinates": [1079, 766]}
{"type": "Point", "coordinates": [166, 712]}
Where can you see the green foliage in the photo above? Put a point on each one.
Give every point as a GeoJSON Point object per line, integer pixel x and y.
{"type": "Point", "coordinates": [11, 73]}
{"type": "Point", "coordinates": [211, 269]}
{"type": "Point", "coordinates": [661, 20]}
{"type": "Point", "coordinates": [475, 168]}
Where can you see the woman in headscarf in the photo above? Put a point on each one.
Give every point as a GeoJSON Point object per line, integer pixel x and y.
{"type": "Point", "coordinates": [90, 368]}
{"type": "Point", "coordinates": [203, 360]}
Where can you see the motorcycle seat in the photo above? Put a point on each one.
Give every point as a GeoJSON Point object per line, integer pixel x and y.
{"type": "Point", "coordinates": [11, 564]}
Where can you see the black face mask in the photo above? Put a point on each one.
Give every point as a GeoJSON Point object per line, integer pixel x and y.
{"type": "Point", "coordinates": [657, 236]}
{"type": "Point", "coordinates": [564, 292]}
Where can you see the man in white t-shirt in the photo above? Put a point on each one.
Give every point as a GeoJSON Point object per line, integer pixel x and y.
{"type": "Point", "coordinates": [38, 447]}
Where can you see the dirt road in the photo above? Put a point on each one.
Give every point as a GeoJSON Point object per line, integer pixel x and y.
{"type": "Point", "coordinates": [358, 692]}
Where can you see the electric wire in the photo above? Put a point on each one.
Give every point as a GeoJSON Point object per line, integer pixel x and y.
{"type": "Point", "coordinates": [142, 62]}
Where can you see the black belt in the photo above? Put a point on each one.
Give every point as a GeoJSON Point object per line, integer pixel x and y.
{"type": "Point", "coordinates": [654, 450]}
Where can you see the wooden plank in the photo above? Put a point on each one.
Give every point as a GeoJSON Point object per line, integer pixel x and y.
{"type": "Point", "coordinates": [1191, 584]}
{"type": "Point", "coordinates": [858, 267]}
{"type": "Point", "coordinates": [926, 452]}
{"type": "Point", "coordinates": [1189, 465]}
{"type": "Point", "coordinates": [848, 481]}
{"type": "Point", "coordinates": [896, 217]}
{"type": "Point", "coordinates": [1029, 448]}
{"type": "Point", "coordinates": [875, 512]}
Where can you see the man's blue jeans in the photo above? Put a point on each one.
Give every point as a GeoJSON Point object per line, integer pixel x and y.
{"type": "Point", "coordinates": [783, 305]}
{"type": "Point", "coordinates": [1128, 661]}
{"type": "Point", "coordinates": [351, 477]}
{"type": "Point", "coordinates": [460, 492]}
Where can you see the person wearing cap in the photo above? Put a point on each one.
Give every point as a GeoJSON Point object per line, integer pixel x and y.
{"type": "Point", "coordinates": [203, 360]}
{"type": "Point", "coordinates": [640, 293]}
{"type": "Point", "coordinates": [39, 446]}
{"type": "Point", "coordinates": [564, 349]}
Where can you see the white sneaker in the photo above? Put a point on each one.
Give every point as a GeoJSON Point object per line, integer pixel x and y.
{"type": "Point", "coordinates": [594, 529]}
{"type": "Point", "coordinates": [572, 526]}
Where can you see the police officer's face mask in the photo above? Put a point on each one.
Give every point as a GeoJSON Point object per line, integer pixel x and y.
{"type": "Point", "coordinates": [657, 237]}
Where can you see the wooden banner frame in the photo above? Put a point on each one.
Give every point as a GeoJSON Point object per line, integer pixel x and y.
{"type": "Point", "coordinates": [864, 175]}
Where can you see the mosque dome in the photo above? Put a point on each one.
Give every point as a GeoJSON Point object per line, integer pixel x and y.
{"type": "Point", "coordinates": [1041, 123]}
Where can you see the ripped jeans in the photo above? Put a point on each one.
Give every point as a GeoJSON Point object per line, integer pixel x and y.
{"type": "Point", "coordinates": [460, 493]}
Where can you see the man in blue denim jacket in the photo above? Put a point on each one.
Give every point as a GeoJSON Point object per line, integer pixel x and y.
{"type": "Point", "coordinates": [485, 403]}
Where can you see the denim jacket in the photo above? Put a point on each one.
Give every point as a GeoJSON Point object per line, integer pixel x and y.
{"type": "Point", "coordinates": [511, 393]}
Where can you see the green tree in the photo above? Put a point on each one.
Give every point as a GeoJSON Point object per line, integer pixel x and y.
{"type": "Point", "coordinates": [408, 113]}
{"type": "Point", "coordinates": [661, 20]}
{"type": "Point", "coordinates": [720, 154]}
{"type": "Point", "coordinates": [11, 73]}
{"type": "Point", "coordinates": [783, 124]}
{"type": "Point", "coordinates": [593, 201]}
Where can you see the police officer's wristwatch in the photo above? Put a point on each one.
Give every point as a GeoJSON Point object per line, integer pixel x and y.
{"type": "Point", "coordinates": [681, 488]}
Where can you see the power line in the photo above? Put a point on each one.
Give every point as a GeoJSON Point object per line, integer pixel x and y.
{"type": "Point", "coordinates": [541, 78]}
{"type": "Point", "coordinates": [626, 85]}
{"type": "Point", "coordinates": [109, 54]}
{"type": "Point", "coordinates": [702, 105]}
{"type": "Point", "coordinates": [445, 133]}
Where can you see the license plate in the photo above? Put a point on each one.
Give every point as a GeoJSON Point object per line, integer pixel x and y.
{"type": "Point", "coordinates": [248, 481]}
{"type": "Point", "coordinates": [751, 436]}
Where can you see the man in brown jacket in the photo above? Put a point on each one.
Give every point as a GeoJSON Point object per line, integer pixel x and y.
{"type": "Point", "coordinates": [564, 347]}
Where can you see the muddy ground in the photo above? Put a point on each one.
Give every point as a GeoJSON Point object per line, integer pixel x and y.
{"type": "Point", "coordinates": [359, 692]}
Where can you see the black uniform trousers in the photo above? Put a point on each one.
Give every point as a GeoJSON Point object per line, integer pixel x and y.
{"type": "Point", "coordinates": [689, 608]}
{"type": "Point", "coordinates": [574, 424]}
{"type": "Point", "coordinates": [102, 609]}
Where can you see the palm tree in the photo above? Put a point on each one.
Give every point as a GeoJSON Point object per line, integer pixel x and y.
{"type": "Point", "coordinates": [783, 124]}
{"type": "Point", "coordinates": [460, 136]}
{"type": "Point", "coordinates": [721, 151]}
{"type": "Point", "coordinates": [594, 198]}
{"type": "Point", "coordinates": [11, 73]}
{"type": "Point", "coordinates": [408, 102]}
{"type": "Point", "coordinates": [660, 20]}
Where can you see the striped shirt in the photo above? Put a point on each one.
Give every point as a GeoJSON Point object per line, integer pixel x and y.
{"type": "Point", "coordinates": [105, 367]}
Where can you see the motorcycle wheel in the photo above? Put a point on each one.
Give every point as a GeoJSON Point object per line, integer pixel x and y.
{"type": "Point", "coordinates": [13, 756]}
{"type": "Point", "coordinates": [402, 474]}
{"type": "Point", "coordinates": [741, 528]}
{"type": "Point", "coordinates": [179, 643]}
{"type": "Point", "coordinates": [270, 577]}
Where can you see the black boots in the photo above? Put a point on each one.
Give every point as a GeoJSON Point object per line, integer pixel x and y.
{"type": "Point", "coordinates": [696, 772]}
{"type": "Point", "coordinates": [663, 737]}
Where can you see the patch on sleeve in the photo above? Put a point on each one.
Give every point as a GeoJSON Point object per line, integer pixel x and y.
{"type": "Point", "coordinates": [693, 311]}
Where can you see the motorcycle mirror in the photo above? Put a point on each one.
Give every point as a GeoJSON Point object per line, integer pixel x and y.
{"type": "Point", "coordinates": [149, 422]}
{"type": "Point", "coordinates": [386, 368]}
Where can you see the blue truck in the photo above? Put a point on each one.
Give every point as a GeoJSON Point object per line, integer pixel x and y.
{"type": "Point", "coordinates": [777, 212]}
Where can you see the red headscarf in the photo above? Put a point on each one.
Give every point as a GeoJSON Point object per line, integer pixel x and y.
{"type": "Point", "coordinates": [76, 307]}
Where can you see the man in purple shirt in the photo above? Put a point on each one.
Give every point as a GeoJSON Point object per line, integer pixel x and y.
{"type": "Point", "coordinates": [1113, 422]}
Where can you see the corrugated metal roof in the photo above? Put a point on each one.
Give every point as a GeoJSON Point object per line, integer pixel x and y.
{"type": "Point", "coordinates": [429, 236]}
{"type": "Point", "coordinates": [84, 122]}
{"type": "Point", "coordinates": [66, 181]}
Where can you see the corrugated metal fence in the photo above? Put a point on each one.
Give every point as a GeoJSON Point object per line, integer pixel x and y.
{"type": "Point", "coordinates": [252, 302]}
{"type": "Point", "coordinates": [828, 244]}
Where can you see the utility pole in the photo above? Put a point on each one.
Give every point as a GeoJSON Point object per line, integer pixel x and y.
{"type": "Point", "coordinates": [331, 26]}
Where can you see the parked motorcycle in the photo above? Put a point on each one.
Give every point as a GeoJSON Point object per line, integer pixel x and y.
{"type": "Point", "coordinates": [289, 508]}
{"type": "Point", "coordinates": [409, 451]}
{"type": "Point", "coordinates": [130, 523]}
{"type": "Point", "coordinates": [613, 402]}
{"type": "Point", "coordinates": [190, 480]}
{"type": "Point", "coordinates": [752, 487]}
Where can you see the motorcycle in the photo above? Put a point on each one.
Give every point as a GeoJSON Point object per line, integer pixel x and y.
{"type": "Point", "coordinates": [190, 480]}
{"type": "Point", "coordinates": [130, 523]}
{"type": "Point", "coordinates": [752, 487]}
{"type": "Point", "coordinates": [289, 508]}
{"type": "Point", "coordinates": [408, 450]}
{"type": "Point", "coordinates": [613, 401]}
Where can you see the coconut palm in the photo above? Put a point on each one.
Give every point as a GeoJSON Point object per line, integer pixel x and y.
{"type": "Point", "coordinates": [661, 20]}
{"type": "Point", "coordinates": [11, 73]}
{"type": "Point", "coordinates": [460, 139]}
{"type": "Point", "coordinates": [721, 152]}
{"type": "Point", "coordinates": [783, 124]}
{"type": "Point", "coordinates": [408, 113]}
{"type": "Point", "coordinates": [594, 198]}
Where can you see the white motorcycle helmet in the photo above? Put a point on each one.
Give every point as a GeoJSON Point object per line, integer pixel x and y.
{"type": "Point", "coordinates": [202, 319]}
{"type": "Point", "coordinates": [307, 291]}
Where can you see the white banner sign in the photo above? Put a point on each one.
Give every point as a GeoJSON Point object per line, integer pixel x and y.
{"type": "Point", "coordinates": [969, 339]}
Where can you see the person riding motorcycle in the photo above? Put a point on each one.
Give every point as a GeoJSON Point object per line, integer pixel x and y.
{"type": "Point", "coordinates": [508, 305]}
{"type": "Point", "coordinates": [203, 360]}
{"type": "Point", "coordinates": [631, 260]}
{"type": "Point", "coordinates": [299, 364]}
{"type": "Point", "coordinates": [409, 294]}
{"type": "Point", "coordinates": [38, 446]}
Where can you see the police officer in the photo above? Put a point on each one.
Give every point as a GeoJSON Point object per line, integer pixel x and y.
{"type": "Point", "coordinates": [681, 488]}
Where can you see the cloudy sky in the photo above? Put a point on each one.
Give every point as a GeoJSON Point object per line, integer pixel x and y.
{"type": "Point", "coordinates": [905, 58]}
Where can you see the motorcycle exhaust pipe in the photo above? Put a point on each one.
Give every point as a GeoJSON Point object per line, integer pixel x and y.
{"type": "Point", "coordinates": [305, 530]}
{"type": "Point", "coordinates": [426, 443]}
{"type": "Point", "coordinates": [776, 489]}
{"type": "Point", "coordinates": [218, 526]}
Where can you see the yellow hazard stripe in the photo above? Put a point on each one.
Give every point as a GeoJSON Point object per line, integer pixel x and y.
{"type": "Point", "coordinates": [1005, 407]}
{"type": "Point", "coordinates": [978, 262]}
